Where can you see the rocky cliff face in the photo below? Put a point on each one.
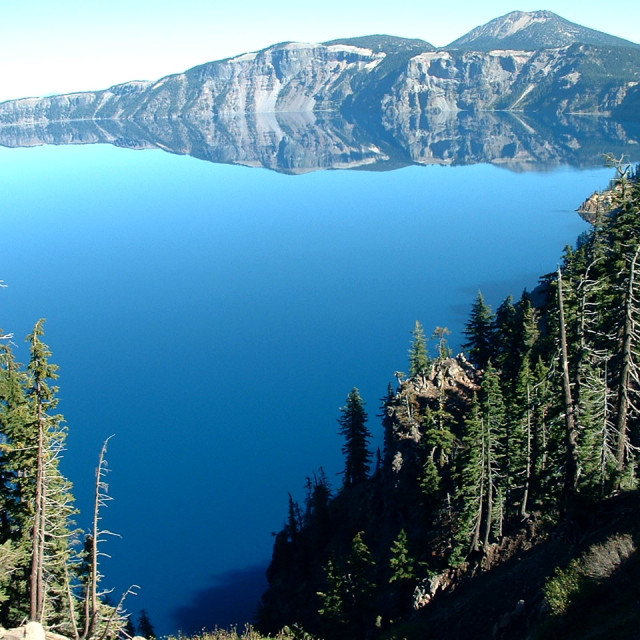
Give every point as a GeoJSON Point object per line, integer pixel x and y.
{"type": "Point", "coordinates": [578, 78]}
{"type": "Point", "coordinates": [284, 78]}
{"type": "Point", "coordinates": [341, 77]}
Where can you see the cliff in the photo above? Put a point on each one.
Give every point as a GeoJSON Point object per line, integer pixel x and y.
{"type": "Point", "coordinates": [295, 77]}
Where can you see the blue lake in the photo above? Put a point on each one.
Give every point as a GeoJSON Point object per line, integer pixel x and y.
{"type": "Point", "coordinates": [215, 317]}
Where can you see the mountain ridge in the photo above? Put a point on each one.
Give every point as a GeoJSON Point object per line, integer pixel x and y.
{"type": "Point", "coordinates": [390, 75]}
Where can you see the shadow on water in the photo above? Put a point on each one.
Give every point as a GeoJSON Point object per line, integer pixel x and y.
{"type": "Point", "coordinates": [231, 601]}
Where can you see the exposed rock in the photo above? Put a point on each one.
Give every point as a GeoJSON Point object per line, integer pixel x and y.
{"type": "Point", "coordinates": [34, 631]}
{"type": "Point", "coordinates": [454, 380]}
{"type": "Point", "coordinates": [449, 384]}
{"type": "Point", "coordinates": [297, 77]}
{"type": "Point", "coordinates": [31, 631]}
{"type": "Point", "coordinates": [598, 204]}
{"type": "Point", "coordinates": [428, 588]}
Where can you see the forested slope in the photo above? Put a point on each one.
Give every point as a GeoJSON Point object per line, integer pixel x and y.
{"type": "Point", "coordinates": [498, 467]}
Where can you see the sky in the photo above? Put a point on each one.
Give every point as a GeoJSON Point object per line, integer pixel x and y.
{"type": "Point", "coordinates": [79, 45]}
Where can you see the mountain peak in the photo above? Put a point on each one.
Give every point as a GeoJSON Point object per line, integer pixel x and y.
{"type": "Point", "coordinates": [532, 30]}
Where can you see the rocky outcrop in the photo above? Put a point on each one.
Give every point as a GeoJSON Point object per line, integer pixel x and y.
{"type": "Point", "coordinates": [598, 204]}
{"type": "Point", "coordinates": [31, 631]}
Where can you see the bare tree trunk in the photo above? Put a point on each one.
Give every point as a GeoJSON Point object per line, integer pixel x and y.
{"type": "Point", "coordinates": [527, 480]}
{"type": "Point", "coordinates": [475, 544]}
{"type": "Point", "coordinates": [36, 609]}
{"type": "Point", "coordinates": [487, 524]}
{"type": "Point", "coordinates": [101, 497]}
{"type": "Point", "coordinates": [571, 432]}
{"type": "Point", "coordinates": [626, 370]}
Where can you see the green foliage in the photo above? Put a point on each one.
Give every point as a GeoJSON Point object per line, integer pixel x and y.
{"type": "Point", "coordinates": [430, 482]}
{"type": "Point", "coordinates": [440, 334]}
{"type": "Point", "coordinates": [480, 331]}
{"type": "Point", "coordinates": [401, 562]}
{"type": "Point", "coordinates": [248, 633]}
{"type": "Point", "coordinates": [597, 564]}
{"type": "Point", "coordinates": [563, 587]}
{"type": "Point", "coordinates": [350, 586]}
{"type": "Point", "coordinates": [418, 355]}
{"type": "Point", "coordinates": [353, 426]}
{"type": "Point", "coordinates": [42, 577]}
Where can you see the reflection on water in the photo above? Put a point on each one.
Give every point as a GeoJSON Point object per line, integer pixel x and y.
{"type": "Point", "coordinates": [308, 141]}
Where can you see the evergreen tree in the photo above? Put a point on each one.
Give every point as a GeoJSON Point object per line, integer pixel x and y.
{"type": "Point", "coordinates": [472, 485]}
{"type": "Point", "coordinates": [480, 330]}
{"type": "Point", "coordinates": [53, 502]}
{"type": "Point", "coordinates": [418, 356]}
{"type": "Point", "coordinates": [350, 588]}
{"type": "Point", "coordinates": [506, 337]}
{"type": "Point", "coordinates": [333, 597]}
{"type": "Point", "coordinates": [39, 502]}
{"type": "Point", "coordinates": [145, 628]}
{"type": "Point", "coordinates": [353, 426]}
{"type": "Point", "coordinates": [401, 562]}
{"type": "Point", "coordinates": [482, 489]}
{"type": "Point", "coordinates": [497, 450]}
{"type": "Point", "coordinates": [440, 334]}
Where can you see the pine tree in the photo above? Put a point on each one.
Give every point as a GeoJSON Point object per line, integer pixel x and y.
{"type": "Point", "coordinates": [506, 337]}
{"type": "Point", "coordinates": [53, 502]}
{"type": "Point", "coordinates": [353, 426]}
{"type": "Point", "coordinates": [482, 487]}
{"type": "Point", "coordinates": [40, 502]}
{"type": "Point", "coordinates": [472, 485]}
{"type": "Point", "coordinates": [440, 334]}
{"type": "Point", "coordinates": [361, 588]}
{"type": "Point", "coordinates": [347, 600]}
{"type": "Point", "coordinates": [333, 597]}
{"type": "Point", "coordinates": [418, 356]}
{"type": "Point", "coordinates": [402, 564]}
{"type": "Point", "coordinates": [145, 628]}
{"type": "Point", "coordinates": [480, 330]}
{"type": "Point", "coordinates": [497, 450]}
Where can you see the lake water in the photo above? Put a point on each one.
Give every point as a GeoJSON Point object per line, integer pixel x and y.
{"type": "Point", "coordinates": [215, 317]}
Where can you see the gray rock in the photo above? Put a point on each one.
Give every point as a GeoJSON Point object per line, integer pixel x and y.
{"type": "Point", "coordinates": [34, 631]}
{"type": "Point", "coordinates": [299, 78]}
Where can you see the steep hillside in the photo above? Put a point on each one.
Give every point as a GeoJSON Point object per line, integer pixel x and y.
{"type": "Point", "coordinates": [533, 30]}
{"type": "Point", "coordinates": [297, 78]}
{"type": "Point", "coordinates": [505, 495]}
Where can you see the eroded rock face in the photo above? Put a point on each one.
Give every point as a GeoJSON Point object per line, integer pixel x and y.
{"type": "Point", "coordinates": [295, 77]}
{"type": "Point", "coordinates": [289, 77]}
